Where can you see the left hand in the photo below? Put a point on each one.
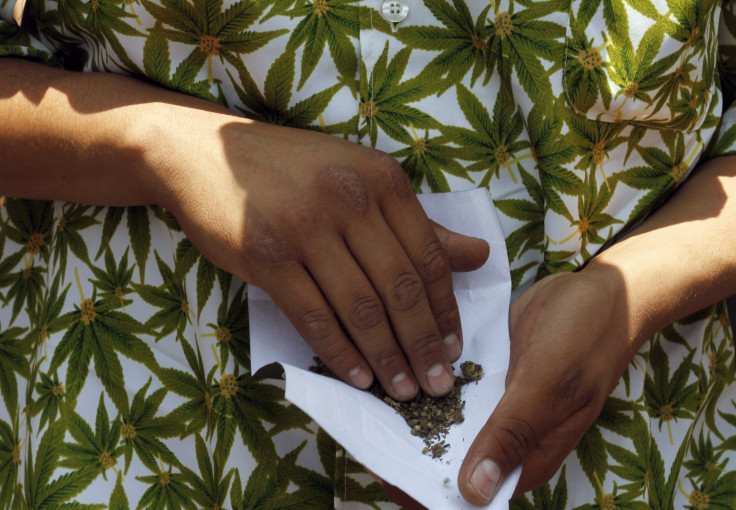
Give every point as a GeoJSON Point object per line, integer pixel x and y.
{"type": "Point", "coordinates": [570, 343]}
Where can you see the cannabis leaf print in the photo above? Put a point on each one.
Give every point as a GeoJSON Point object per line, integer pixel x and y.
{"type": "Point", "coordinates": [668, 397]}
{"type": "Point", "coordinates": [493, 140]}
{"type": "Point", "coordinates": [40, 491]}
{"type": "Point", "coordinates": [268, 484]}
{"type": "Point", "coordinates": [94, 449]}
{"type": "Point", "coordinates": [99, 332]}
{"type": "Point", "coordinates": [10, 458]}
{"type": "Point", "coordinates": [578, 118]}
{"type": "Point", "coordinates": [385, 98]}
{"type": "Point", "coordinates": [530, 236]}
{"type": "Point", "coordinates": [31, 227]}
{"type": "Point", "coordinates": [171, 298]}
{"type": "Point", "coordinates": [595, 141]}
{"type": "Point", "coordinates": [50, 397]}
{"type": "Point", "coordinates": [141, 430]}
{"type": "Point", "coordinates": [639, 71]}
{"type": "Point", "coordinates": [105, 20]}
{"type": "Point", "coordinates": [592, 217]}
{"type": "Point", "coordinates": [586, 72]}
{"type": "Point", "coordinates": [519, 40]}
{"type": "Point", "coordinates": [428, 158]}
{"type": "Point", "coordinates": [544, 497]}
{"type": "Point", "coordinates": [67, 237]}
{"type": "Point", "coordinates": [325, 22]}
{"type": "Point", "coordinates": [231, 330]}
{"type": "Point", "coordinates": [463, 42]}
{"type": "Point", "coordinates": [157, 66]}
{"type": "Point", "coordinates": [641, 467]}
{"type": "Point", "coordinates": [704, 457]}
{"type": "Point", "coordinates": [716, 490]}
{"type": "Point", "coordinates": [212, 31]}
{"type": "Point", "coordinates": [13, 360]}
{"type": "Point", "coordinates": [139, 229]}
{"type": "Point", "coordinates": [663, 169]}
{"type": "Point", "coordinates": [552, 153]}
{"type": "Point", "coordinates": [209, 489]}
{"type": "Point", "coordinates": [114, 282]}
{"type": "Point", "coordinates": [273, 105]}
{"type": "Point", "coordinates": [196, 386]}
{"type": "Point", "coordinates": [167, 489]}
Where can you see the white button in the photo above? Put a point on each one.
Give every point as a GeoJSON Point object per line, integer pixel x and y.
{"type": "Point", "coordinates": [394, 11]}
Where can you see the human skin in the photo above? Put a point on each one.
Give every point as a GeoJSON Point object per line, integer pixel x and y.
{"type": "Point", "coordinates": [675, 263]}
{"type": "Point", "coordinates": [573, 334]}
{"type": "Point", "coordinates": [325, 225]}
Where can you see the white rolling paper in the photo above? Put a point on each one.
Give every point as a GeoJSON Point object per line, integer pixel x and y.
{"type": "Point", "coordinates": [373, 433]}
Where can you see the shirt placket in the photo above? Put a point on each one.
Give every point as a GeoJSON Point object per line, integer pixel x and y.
{"type": "Point", "coordinates": [373, 39]}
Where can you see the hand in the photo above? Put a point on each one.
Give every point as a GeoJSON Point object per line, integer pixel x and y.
{"type": "Point", "coordinates": [569, 347]}
{"type": "Point", "coordinates": [334, 233]}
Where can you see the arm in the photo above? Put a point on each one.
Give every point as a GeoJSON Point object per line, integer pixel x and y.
{"type": "Point", "coordinates": [320, 223]}
{"type": "Point", "coordinates": [573, 334]}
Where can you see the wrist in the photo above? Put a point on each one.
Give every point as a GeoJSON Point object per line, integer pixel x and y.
{"type": "Point", "coordinates": [680, 260]}
{"type": "Point", "coordinates": [647, 293]}
{"type": "Point", "coordinates": [612, 286]}
{"type": "Point", "coordinates": [179, 145]}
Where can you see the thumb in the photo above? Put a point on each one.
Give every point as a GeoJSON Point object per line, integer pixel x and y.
{"type": "Point", "coordinates": [512, 434]}
{"type": "Point", "coordinates": [465, 253]}
{"type": "Point", "coordinates": [535, 425]}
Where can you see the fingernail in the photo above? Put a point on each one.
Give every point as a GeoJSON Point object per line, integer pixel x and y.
{"type": "Point", "coordinates": [439, 379]}
{"type": "Point", "coordinates": [403, 385]}
{"type": "Point", "coordinates": [360, 378]}
{"type": "Point", "coordinates": [452, 347]}
{"type": "Point", "coordinates": [485, 479]}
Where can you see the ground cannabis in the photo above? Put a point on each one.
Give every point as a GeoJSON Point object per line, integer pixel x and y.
{"type": "Point", "coordinates": [428, 417]}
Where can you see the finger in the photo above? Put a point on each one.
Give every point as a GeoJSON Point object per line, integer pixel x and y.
{"type": "Point", "coordinates": [412, 228]}
{"type": "Point", "coordinates": [296, 294]}
{"type": "Point", "coordinates": [402, 291]}
{"type": "Point", "coordinates": [538, 421]}
{"type": "Point", "coordinates": [523, 416]}
{"type": "Point", "coordinates": [542, 462]}
{"type": "Point", "coordinates": [363, 315]}
{"type": "Point", "coordinates": [465, 253]}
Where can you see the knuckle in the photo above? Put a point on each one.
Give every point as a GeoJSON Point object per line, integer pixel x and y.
{"type": "Point", "coordinates": [366, 313]}
{"type": "Point", "coordinates": [446, 313]}
{"type": "Point", "coordinates": [393, 176]}
{"type": "Point", "coordinates": [406, 292]}
{"type": "Point", "coordinates": [426, 346]}
{"type": "Point", "coordinates": [516, 437]}
{"type": "Point", "coordinates": [348, 186]}
{"type": "Point", "coordinates": [434, 263]}
{"type": "Point", "coordinates": [387, 357]}
{"type": "Point", "coordinates": [317, 324]}
{"type": "Point", "coordinates": [569, 388]}
{"type": "Point", "coordinates": [335, 353]}
{"type": "Point", "coordinates": [267, 247]}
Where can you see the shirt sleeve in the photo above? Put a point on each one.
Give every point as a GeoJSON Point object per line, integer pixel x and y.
{"type": "Point", "coordinates": [16, 33]}
{"type": "Point", "coordinates": [724, 141]}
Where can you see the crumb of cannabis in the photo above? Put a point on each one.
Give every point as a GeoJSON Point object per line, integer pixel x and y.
{"type": "Point", "coordinates": [428, 417]}
{"type": "Point", "coordinates": [472, 371]}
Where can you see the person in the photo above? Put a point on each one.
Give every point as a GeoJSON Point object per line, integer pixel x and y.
{"type": "Point", "coordinates": [282, 142]}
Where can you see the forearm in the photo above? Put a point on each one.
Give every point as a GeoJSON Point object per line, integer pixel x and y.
{"type": "Point", "coordinates": [95, 138]}
{"type": "Point", "coordinates": [681, 259]}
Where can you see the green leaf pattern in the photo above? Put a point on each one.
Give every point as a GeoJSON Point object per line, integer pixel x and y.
{"type": "Point", "coordinates": [124, 354]}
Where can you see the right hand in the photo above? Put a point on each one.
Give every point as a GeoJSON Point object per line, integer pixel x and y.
{"type": "Point", "coordinates": [334, 233]}
{"type": "Point", "coordinates": [570, 344]}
